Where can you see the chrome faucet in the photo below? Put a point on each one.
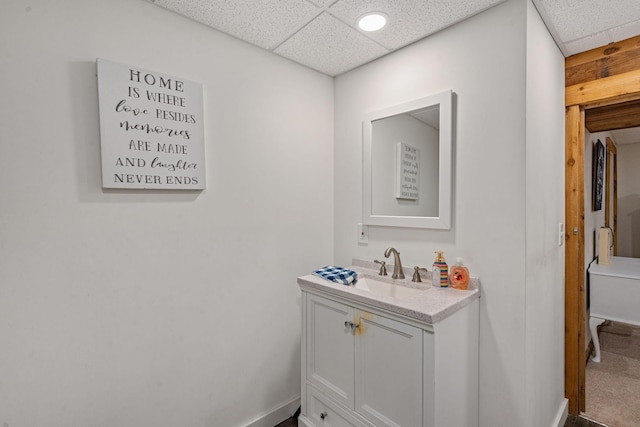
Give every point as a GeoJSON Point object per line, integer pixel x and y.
{"type": "Point", "coordinates": [398, 273]}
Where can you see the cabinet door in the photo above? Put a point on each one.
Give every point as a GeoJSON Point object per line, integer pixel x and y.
{"type": "Point", "coordinates": [388, 373]}
{"type": "Point", "coordinates": [330, 349]}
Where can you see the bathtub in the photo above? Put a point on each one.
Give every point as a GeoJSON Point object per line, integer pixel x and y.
{"type": "Point", "coordinates": [614, 294]}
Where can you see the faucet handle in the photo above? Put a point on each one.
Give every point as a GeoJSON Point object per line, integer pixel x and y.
{"type": "Point", "coordinates": [383, 268]}
{"type": "Point", "coordinates": [416, 273]}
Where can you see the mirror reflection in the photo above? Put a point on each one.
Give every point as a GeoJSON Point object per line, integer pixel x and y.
{"type": "Point", "coordinates": [407, 164]}
{"type": "Point", "coordinates": [404, 156]}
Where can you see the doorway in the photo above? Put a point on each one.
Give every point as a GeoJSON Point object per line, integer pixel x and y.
{"type": "Point", "coordinates": [594, 87]}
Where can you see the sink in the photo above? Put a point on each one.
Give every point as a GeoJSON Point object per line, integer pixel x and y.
{"type": "Point", "coordinates": [385, 289]}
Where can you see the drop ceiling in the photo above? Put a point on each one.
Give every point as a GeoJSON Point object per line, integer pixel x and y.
{"type": "Point", "coordinates": [581, 25]}
{"type": "Point", "coordinates": [323, 34]}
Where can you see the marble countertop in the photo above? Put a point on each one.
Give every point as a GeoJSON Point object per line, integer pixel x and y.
{"type": "Point", "coordinates": [430, 306]}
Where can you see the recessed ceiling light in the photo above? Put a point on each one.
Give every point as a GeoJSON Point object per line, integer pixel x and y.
{"type": "Point", "coordinates": [372, 21]}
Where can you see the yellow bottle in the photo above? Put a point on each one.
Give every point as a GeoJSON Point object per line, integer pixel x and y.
{"type": "Point", "coordinates": [459, 276]}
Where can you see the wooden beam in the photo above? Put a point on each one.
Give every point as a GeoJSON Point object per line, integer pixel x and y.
{"type": "Point", "coordinates": [612, 59]}
{"type": "Point", "coordinates": [574, 260]}
{"type": "Point", "coordinates": [609, 117]}
{"type": "Point", "coordinates": [615, 89]}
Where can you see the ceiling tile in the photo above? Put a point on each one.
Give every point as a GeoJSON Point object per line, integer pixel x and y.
{"type": "Point", "coordinates": [627, 31]}
{"type": "Point", "coordinates": [575, 19]}
{"type": "Point", "coordinates": [330, 46]}
{"type": "Point", "coordinates": [587, 43]}
{"type": "Point", "coordinates": [265, 23]}
{"type": "Point", "coordinates": [409, 20]}
{"type": "Point", "coordinates": [322, 3]}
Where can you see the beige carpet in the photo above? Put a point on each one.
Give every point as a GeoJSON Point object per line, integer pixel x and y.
{"type": "Point", "coordinates": [613, 385]}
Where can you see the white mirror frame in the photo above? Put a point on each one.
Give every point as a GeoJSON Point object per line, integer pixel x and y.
{"type": "Point", "coordinates": [443, 220]}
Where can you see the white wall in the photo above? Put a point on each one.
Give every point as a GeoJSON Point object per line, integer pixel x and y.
{"type": "Point", "coordinates": [545, 172]}
{"type": "Point", "coordinates": [153, 308]}
{"type": "Point", "coordinates": [593, 220]}
{"type": "Point", "coordinates": [484, 61]}
{"type": "Point", "coordinates": [629, 200]}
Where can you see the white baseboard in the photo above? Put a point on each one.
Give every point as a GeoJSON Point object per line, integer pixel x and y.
{"type": "Point", "coordinates": [276, 415]}
{"type": "Point", "coordinates": [561, 416]}
{"type": "Point", "coordinates": [281, 413]}
{"type": "Point", "coordinates": [303, 422]}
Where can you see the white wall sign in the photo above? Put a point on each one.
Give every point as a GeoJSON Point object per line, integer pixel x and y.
{"type": "Point", "coordinates": [407, 171]}
{"type": "Point", "coordinates": [151, 129]}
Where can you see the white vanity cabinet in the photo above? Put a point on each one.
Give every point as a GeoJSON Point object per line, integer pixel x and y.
{"type": "Point", "coordinates": [369, 367]}
{"type": "Point", "coordinates": [364, 362]}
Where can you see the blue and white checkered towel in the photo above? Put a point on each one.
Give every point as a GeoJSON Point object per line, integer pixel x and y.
{"type": "Point", "coordinates": [337, 274]}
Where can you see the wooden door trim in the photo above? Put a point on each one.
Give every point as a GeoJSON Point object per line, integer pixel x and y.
{"type": "Point", "coordinates": [612, 187]}
{"type": "Point", "coordinates": [606, 91]}
{"type": "Point", "coordinates": [574, 258]}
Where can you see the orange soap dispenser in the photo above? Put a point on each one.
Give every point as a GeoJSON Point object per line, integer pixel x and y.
{"type": "Point", "coordinates": [459, 275]}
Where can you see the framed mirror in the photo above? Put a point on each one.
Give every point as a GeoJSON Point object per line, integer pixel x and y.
{"type": "Point", "coordinates": [407, 164]}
